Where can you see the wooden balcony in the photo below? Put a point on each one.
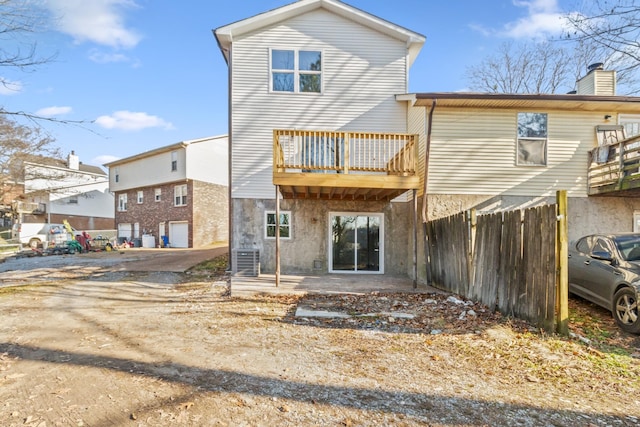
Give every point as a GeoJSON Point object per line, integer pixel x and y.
{"type": "Point", "coordinates": [334, 165]}
{"type": "Point", "coordinates": [614, 169]}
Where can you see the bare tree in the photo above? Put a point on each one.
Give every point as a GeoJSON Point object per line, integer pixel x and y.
{"type": "Point", "coordinates": [19, 144]}
{"type": "Point", "coordinates": [523, 68]}
{"type": "Point", "coordinates": [19, 19]}
{"type": "Point", "coordinates": [612, 29]}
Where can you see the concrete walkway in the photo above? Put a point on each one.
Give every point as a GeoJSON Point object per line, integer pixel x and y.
{"type": "Point", "coordinates": [265, 284]}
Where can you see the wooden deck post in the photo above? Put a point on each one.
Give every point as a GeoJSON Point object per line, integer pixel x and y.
{"type": "Point", "coordinates": [415, 239]}
{"type": "Point", "coordinates": [562, 262]}
{"type": "Point", "coordinates": [277, 235]}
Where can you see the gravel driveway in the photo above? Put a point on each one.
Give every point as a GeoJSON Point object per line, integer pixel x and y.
{"type": "Point", "coordinates": [115, 347]}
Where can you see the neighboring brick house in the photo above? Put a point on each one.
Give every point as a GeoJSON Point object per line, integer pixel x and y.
{"type": "Point", "coordinates": [177, 193]}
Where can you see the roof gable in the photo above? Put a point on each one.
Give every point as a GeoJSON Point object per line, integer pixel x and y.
{"type": "Point", "coordinates": [225, 35]}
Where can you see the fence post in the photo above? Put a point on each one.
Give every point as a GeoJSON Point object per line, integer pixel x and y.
{"type": "Point", "coordinates": [562, 262]}
{"type": "Point", "coordinates": [473, 225]}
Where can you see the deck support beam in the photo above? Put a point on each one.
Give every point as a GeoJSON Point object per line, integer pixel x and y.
{"type": "Point", "coordinates": [277, 235]}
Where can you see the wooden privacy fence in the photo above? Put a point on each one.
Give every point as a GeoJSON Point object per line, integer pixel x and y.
{"type": "Point", "coordinates": [506, 260]}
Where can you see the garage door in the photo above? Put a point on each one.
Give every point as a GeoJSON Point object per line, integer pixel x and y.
{"type": "Point", "coordinates": [124, 230]}
{"type": "Point", "coordinates": [179, 234]}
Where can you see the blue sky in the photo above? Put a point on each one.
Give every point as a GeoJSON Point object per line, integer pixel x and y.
{"type": "Point", "coordinates": [148, 73]}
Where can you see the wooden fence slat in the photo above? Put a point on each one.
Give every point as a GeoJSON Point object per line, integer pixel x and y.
{"type": "Point", "coordinates": [511, 265]}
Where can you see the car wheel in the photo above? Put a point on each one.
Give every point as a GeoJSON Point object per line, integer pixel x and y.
{"type": "Point", "coordinates": [34, 243]}
{"type": "Point", "coordinates": [625, 310]}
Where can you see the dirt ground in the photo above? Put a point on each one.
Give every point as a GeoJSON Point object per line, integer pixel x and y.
{"type": "Point", "coordinates": [90, 342]}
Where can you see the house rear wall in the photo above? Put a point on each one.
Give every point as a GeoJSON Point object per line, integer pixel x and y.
{"type": "Point", "coordinates": [310, 225]}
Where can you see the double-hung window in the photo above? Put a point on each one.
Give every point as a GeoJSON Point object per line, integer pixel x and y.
{"type": "Point", "coordinates": [140, 197]}
{"type": "Point", "coordinates": [285, 225]}
{"type": "Point", "coordinates": [297, 71]}
{"type": "Point", "coordinates": [180, 195]}
{"type": "Point", "coordinates": [122, 202]}
{"type": "Point", "coordinates": [532, 139]}
{"type": "Point", "coordinates": [158, 194]}
{"type": "Point", "coordinates": [174, 161]}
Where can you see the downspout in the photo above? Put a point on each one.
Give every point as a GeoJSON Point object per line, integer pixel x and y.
{"type": "Point", "coordinates": [230, 220]}
{"type": "Point", "coordinates": [425, 205]}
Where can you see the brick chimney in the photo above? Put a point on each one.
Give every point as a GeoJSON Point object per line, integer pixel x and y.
{"type": "Point", "coordinates": [597, 81]}
{"type": "Point", "coordinates": [73, 161]}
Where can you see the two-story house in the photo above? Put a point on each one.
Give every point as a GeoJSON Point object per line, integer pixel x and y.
{"type": "Point", "coordinates": [174, 195]}
{"type": "Point", "coordinates": [334, 152]}
{"type": "Point", "coordinates": [56, 190]}
{"type": "Point", "coordinates": [314, 122]}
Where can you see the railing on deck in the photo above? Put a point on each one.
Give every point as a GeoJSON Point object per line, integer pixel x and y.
{"type": "Point", "coordinates": [344, 152]}
{"type": "Point", "coordinates": [614, 167]}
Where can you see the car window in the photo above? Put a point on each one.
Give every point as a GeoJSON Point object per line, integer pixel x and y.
{"type": "Point", "coordinates": [601, 245]}
{"type": "Point", "coordinates": [583, 245]}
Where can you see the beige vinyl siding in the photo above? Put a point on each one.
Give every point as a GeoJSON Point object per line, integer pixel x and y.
{"type": "Point", "coordinates": [416, 118]}
{"type": "Point", "coordinates": [362, 71]}
{"type": "Point", "coordinates": [606, 83]}
{"type": "Point", "coordinates": [473, 152]}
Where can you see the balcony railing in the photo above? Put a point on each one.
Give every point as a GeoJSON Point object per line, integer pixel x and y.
{"type": "Point", "coordinates": [344, 152]}
{"type": "Point", "coordinates": [614, 169]}
{"type": "Point", "coordinates": [340, 165]}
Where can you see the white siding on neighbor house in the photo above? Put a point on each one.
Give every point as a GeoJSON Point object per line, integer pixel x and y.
{"type": "Point", "coordinates": [474, 152]}
{"type": "Point", "coordinates": [153, 170]}
{"type": "Point", "coordinates": [90, 200]}
{"type": "Point", "coordinates": [207, 161]}
{"type": "Point", "coordinates": [71, 192]}
{"type": "Point", "coordinates": [362, 71]}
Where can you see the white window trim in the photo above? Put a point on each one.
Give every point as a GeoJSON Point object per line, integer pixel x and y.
{"type": "Point", "coordinates": [157, 194]}
{"type": "Point", "coordinates": [624, 119]}
{"type": "Point", "coordinates": [330, 242]}
{"type": "Point", "coordinates": [266, 225]}
{"type": "Point", "coordinates": [121, 198]}
{"type": "Point", "coordinates": [140, 197]}
{"type": "Point", "coordinates": [184, 195]}
{"type": "Point", "coordinates": [545, 140]}
{"type": "Point", "coordinates": [296, 71]}
{"type": "Point", "coordinates": [174, 161]}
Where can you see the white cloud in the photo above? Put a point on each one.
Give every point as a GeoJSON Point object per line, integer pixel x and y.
{"type": "Point", "coordinates": [100, 57]}
{"type": "Point", "coordinates": [97, 21]}
{"type": "Point", "coordinates": [544, 19]}
{"type": "Point", "coordinates": [105, 158]}
{"type": "Point", "coordinates": [53, 111]}
{"type": "Point", "coordinates": [10, 87]}
{"type": "Point", "coordinates": [130, 120]}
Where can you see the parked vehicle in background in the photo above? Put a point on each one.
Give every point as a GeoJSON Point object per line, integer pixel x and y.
{"type": "Point", "coordinates": [605, 269]}
{"type": "Point", "coordinates": [36, 234]}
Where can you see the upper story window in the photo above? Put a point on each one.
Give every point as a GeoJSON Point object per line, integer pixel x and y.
{"type": "Point", "coordinates": [117, 175]}
{"type": "Point", "coordinates": [631, 124]}
{"type": "Point", "coordinates": [296, 71]}
{"type": "Point", "coordinates": [122, 202]}
{"type": "Point", "coordinates": [174, 161]}
{"type": "Point", "coordinates": [532, 139]}
{"type": "Point", "coordinates": [140, 197]}
{"type": "Point", "coordinates": [180, 195]}
{"type": "Point", "coordinates": [158, 194]}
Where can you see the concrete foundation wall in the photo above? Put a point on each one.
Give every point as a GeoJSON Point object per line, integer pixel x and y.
{"type": "Point", "coordinates": [307, 251]}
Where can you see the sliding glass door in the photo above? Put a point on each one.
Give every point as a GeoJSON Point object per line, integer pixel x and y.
{"type": "Point", "coordinates": [356, 243]}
